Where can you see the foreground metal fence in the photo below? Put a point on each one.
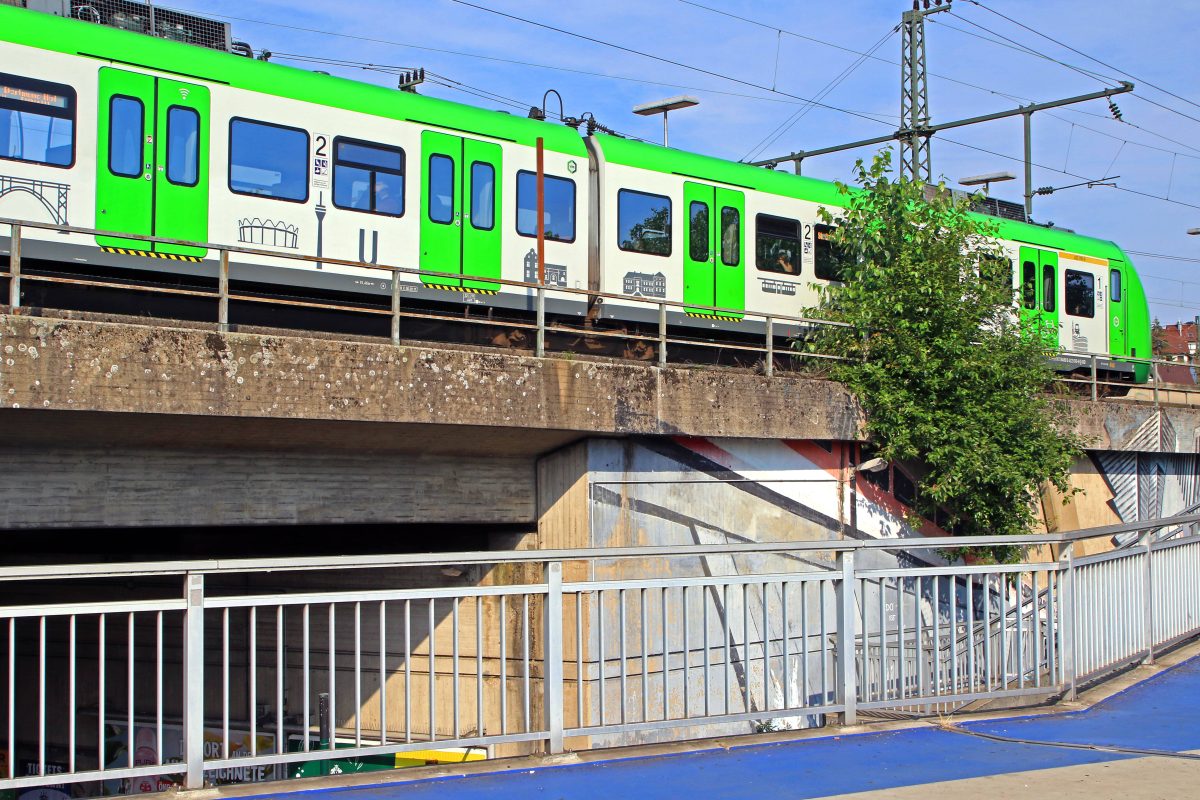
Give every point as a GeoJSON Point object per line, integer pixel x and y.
{"type": "Point", "coordinates": [258, 667]}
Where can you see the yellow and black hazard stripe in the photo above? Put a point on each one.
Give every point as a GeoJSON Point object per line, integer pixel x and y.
{"type": "Point", "coordinates": [712, 316]}
{"type": "Point", "coordinates": [170, 256]}
{"type": "Point", "coordinates": [465, 289]}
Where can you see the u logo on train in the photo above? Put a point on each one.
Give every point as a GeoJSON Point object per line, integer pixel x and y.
{"type": "Point", "coordinates": [113, 130]}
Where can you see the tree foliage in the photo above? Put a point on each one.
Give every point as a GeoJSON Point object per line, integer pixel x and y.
{"type": "Point", "coordinates": [951, 381]}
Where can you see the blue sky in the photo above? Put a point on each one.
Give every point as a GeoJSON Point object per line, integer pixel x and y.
{"type": "Point", "coordinates": [1156, 44]}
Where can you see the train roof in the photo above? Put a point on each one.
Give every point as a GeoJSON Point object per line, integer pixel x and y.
{"type": "Point", "coordinates": [119, 47]}
{"type": "Point", "coordinates": [657, 158]}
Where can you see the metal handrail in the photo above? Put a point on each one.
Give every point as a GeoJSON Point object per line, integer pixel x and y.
{"type": "Point", "coordinates": [242, 565]}
{"type": "Point", "coordinates": [223, 295]}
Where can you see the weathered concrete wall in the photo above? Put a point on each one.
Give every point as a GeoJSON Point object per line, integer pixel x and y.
{"type": "Point", "coordinates": [84, 364]}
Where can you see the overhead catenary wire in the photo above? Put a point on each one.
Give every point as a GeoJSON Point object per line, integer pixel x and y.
{"type": "Point", "coordinates": [663, 59]}
{"type": "Point", "coordinates": [1140, 80]}
{"type": "Point", "coordinates": [959, 81]}
{"type": "Point", "coordinates": [787, 124]}
{"type": "Point", "coordinates": [1015, 45]}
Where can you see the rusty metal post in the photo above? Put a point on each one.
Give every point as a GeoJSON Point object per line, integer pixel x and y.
{"type": "Point", "coordinates": [223, 293]}
{"type": "Point", "coordinates": [662, 334]}
{"type": "Point", "coordinates": [769, 368]}
{"type": "Point", "coordinates": [541, 211]}
{"type": "Point", "coordinates": [14, 268]}
{"type": "Point", "coordinates": [395, 308]}
{"type": "Point", "coordinates": [540, 347]}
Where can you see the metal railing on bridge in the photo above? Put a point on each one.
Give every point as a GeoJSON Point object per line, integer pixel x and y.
{"type": "Point", "coordinates": [123, 681]}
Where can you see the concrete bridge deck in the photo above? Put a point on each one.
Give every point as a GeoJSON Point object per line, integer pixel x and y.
{"type": "Point", "coordinates": [1133, 743]}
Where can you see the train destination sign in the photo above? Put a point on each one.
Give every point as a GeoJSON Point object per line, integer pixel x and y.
{"type": "Point", "coordinates": [34, 96]}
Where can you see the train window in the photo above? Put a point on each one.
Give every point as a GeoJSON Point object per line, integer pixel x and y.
{"type": "Point", "coordinates": [559, 220]}
{"type": "Point", "coordinates": [268, 160]}
{"type": "Point", "coordinates": [183, 146]}
{"type": "Point", "coordinates": [483, 196]}
{"type": "Point", "coordinates": [731, 236]}
{"type": "Point", "coordinates": [1081, 293]}
{"type": "Point", "coordinates": [643, 223]}
{"type": "Point", "coordinates": [828, 256]}
{"type": "Point", "coordinates": [698, 239]}
{"type": "Point", "coordinates": [37, 121]}
{"type": "Point", "coordinates": [368, 177]}
{"type": "Point", "coordinates": [126, 133]}
{"type": "Point", "coordinates": [441, 189]}
{"type": "Point", "coordinates": [1029, 285]}
{"type": "Point", "coordinates": [1114, 286]}
{"type": "Point", "coordinates": [777, 244]}
{"type": "Point", "coordinates": [1048, 290]}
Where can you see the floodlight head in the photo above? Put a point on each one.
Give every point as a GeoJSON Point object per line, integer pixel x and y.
{"type": "Point", "coordinates": [986, 178]}
{"type": "Point", "coordinates": [872, 465]}
{"type": "Point", "coordinates": [1193, 231]}
{"type": "Point", "coordinates": [663, 106]}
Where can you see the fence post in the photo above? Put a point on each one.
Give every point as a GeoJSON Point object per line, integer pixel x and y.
{"type": "Point", "coordinates": [1066, 622]}
{"type": "Point", "coordinates": [14, 267]}
{"type": "Point", "coordinates": [769, 369]}
{"type": "Point", "coordinates": [552, 657]}
{"type": "Point", "coordinates": [395, 308]}
{"type": "Point", "coordinates": [1094, 392]}
{"type": "Point", "coordinates": [1148, 596]}
{"type": "Point", "coordinates": [540, 348]}
{"type": "Point", "coordinates": [847, 687]}
{"type": "Point", "coordinates": [193, 681]}
{"type": "Point", "coordinates": [662, 334]}
{"type": "Point", "coordinates": [223, 293]}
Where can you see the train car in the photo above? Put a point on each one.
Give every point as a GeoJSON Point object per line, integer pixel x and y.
{"type": "Point", "coordinates": [750, 241]}
{"type": "Point", "coordinates": [118, 131]}
{"type": "Point", "coordinates": [122, 132]}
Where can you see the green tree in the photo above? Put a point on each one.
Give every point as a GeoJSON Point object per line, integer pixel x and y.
{"type": "Point", "coordinates": [951, 381]}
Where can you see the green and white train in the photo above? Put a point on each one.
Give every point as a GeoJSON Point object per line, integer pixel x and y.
{"type": "Point", "coordinates": [107, 129]}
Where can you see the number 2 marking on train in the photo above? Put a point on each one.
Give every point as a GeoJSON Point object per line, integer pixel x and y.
{"type": "Point", "coordinates": [322, 145]}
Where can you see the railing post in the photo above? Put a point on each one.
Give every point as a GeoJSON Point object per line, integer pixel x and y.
{"type": "Point", "coordinates": [1066, 611]}
{"type": "Point", "coordinates": [662, 334]}
{"type": "Point", "coordinates": [847, 687]}
{"type": "Point", "coordinates": [223, 293]}
{"type": "Point", "coordinates": [1148, 595]}
{"type": "Point", "coordinates": [14, 267]}
{"type": "Point", "coordinates": [552, 657]}
{"type": "Point", "coordinates": [540, 348]}
{"type": "Point", "coordinates": [193, 681]}
{"type": "Point", "coordinates": [1154, 373]}
{"type": "Point", "coordinates": [395, 308]}
{"type": "Point", "coordinates": [1094, 392]}
{"type": "Point", "coordinates": [769, 368]}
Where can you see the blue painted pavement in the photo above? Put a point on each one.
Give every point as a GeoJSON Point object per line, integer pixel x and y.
{"type": "Point", "coordinates": [1162, 713]}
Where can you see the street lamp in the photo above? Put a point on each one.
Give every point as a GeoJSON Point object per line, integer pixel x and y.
{"type": "Point", "coordinates": [1193, 231]}
{"type": "Point", "coordinates": [664, 107]}
{"type": "Point", "coordinates": [987, 179]}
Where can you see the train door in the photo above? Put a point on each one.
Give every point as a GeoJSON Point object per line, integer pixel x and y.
{"type": "Point", "coordinates": [1116, 308]}
{"type": "Point", "coordinates": [1085, 315]}
{"type": "Point", "coordinates": [714, 269]}
{"type": "Point", "coordinates": [460, 220]}
{"type": "Point", "coordinates": [152, 162]}
{"type": "Point", "coordinates": [1039, 293]}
